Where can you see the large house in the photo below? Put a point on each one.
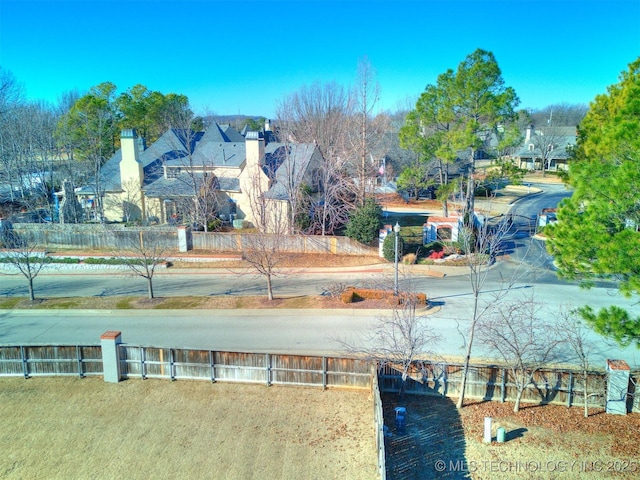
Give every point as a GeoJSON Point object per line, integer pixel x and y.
{"type": "Point", "coordinates": [546, 148]}
{"type": "Point", "coordinates": [220, 172]}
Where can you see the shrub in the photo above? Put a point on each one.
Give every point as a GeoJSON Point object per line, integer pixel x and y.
{"type": "Point", "coordinates": [352, 294]}
{"type": "Point", "coordinates": [409, 259]}
{"type": "Point", "coordinates": [483, 191]}
{"type": "Point", "coordinates": [419, 298]}
{"type": "Point", "coordinates": [214, 224]}
{"type": "Point", "coordinates": [433, 247]}
{"type": "Point", "coordinates": [102, 261]}
{"type": "Point", "coordinates": [364, 222]}
{"type": "Point", "coordinates": [389, 247]}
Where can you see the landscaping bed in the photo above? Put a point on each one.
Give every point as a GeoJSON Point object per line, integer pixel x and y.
{"type": "Point", "coordinates": [542, 441]}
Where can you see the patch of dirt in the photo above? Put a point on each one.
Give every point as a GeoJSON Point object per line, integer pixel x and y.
{"type": "Point", "coordinates": [542, 441]}
{"type": "Point", "coordinates": [395, 200]}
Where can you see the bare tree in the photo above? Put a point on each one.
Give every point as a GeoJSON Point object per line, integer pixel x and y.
{"type": "Point", "coordinates": [25, 255]}
{"type": "Point", "coordinates": [264, 253]}
{"type": "Point", "coordinates": [264, 250]}
{"type": "Point", "coordinates": [481, 244]}
{"type": "Point", "coordinates": [561, 114]}
{"type": "Point", "coordinates": [397, 340]}
{"type": "Point", "coordinates": [337, 197]}
{"type": "Point", "coordinates": [575, 335]}
{"type": "Point", "coordinates": [522, 339]}
{"type": "Point", "coordinates": [319, 114]}
{"type": "Point", "coordinates": [194, 184]}
{"type": "Point", "coordinates": [316, 114]}
{"type": "Point", "coordinates": [142, 255]}
{"type": "Point", "coordinates": [366, 129]}
{"type": "Point", "coordinates": [548, 141]}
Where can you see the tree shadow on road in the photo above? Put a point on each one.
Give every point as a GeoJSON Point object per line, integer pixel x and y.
{"type": "Point", "coordinates": [432, 444]}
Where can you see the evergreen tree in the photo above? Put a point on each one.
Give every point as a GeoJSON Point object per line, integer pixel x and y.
{"type": "Point", "coordinates": [598, 228]}
{"type": "Point", "coordinates": [364, 222]}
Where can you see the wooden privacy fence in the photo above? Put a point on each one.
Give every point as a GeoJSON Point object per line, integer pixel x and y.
{"type": "Point", "coordinates": [179, 364]}
{"type": "Point", "coordinates": [266, 368]}
{"type": "Point", "coordinates": [117, 237]}
{"type": "Point", "coordinates": [496, 383]}
{"type": "Point", "coordinates": [378, 422]}
{"type": "Point", "coordinates": [487, 382]}
{"type": "Point", "coordinates": [32, 361]}
{"type": "Point", "coordinates": [239, 242]}
{"type": "Point", "coordinates": [90, 237]}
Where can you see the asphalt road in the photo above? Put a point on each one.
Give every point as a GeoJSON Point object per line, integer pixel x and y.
{"type": "Point", "coordinates": [297, 331]}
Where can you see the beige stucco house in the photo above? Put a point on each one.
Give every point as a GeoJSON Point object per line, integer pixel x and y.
{"type": "Point", "coordinates": [218, 173]}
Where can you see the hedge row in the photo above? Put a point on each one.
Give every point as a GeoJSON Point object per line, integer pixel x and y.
{"type": "Point", "coordinates": [353, 294]}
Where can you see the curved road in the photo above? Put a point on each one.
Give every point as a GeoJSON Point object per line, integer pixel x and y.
{"type": "Point", "coordinates": [296, 331]}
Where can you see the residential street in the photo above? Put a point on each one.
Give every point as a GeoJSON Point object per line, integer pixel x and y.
{"type": "Point", "coordinates": [300, 331]}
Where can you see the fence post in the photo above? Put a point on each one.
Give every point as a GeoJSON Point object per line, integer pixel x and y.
{"type": "Point", "coordinates": [172, 375]}
{"type": "Point", "coordinates": [324, 373]}
{"type": "Point", "coordinates": [109, 342]}
{"type": "Point", "coordinates": [569, 397]}
{"type": "Point", "coordinates": [143, 359]}
{"type": "Point", "coordinates": [268, 361]}
{"type": "Point", "coordinates": [79, 358]}
{"type": "Point", "coordinates": [25, 367]}
{"type": "Point", "coordinates": [213, 366]}
{"type": "Point", "coordinates": [617, 386]}
{"type": "Point", "coordinates": [184, 239]}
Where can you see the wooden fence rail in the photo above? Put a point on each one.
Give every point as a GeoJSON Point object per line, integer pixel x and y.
{"type": "Point", "coordinates": [495, 383]}
{"type": "Point", "coordinates": [487, 382]}
{"type": "Point", "coordinates": [184, 364]}
{"type": "Point", "coordinates": [119, 237]}
{"type": "Point", "coordinates": [378, 423]}
{"type": "Point", "coordinates": [31, 361]}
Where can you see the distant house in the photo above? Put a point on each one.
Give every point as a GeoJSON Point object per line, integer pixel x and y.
{"type": "Point", "coordinates": [547, 147]}
{"type": "Point", "coordinates": [240, 173]}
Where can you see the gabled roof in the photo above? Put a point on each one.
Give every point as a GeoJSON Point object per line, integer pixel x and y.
{"type": "Point", "coordinates": [183, 185]}
{"type": "Point", "coordinates": [560, 144]}
{"type": "Point", "coordinates": [222, 133]}
{"type": "Point", "coordinates": [219, 146]}
{"type": "Point", "coordinates": [286, 166]}
{"type": "Point", "coordinates": [219, 154]}
{"type": "Point", "coordinates": [170, 145]}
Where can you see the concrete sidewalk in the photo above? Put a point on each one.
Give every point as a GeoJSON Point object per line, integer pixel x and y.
{"type": "Point", "coordinates": [435, 271]}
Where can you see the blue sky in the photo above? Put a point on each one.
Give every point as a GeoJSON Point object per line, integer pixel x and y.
{"type": "Point", "coordinates": [243, 57]}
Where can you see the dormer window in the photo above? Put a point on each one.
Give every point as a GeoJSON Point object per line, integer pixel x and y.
{"type": "Point", "coordinates": [172, 172]}
{"type": "Point", "coordinates": [531, 147]}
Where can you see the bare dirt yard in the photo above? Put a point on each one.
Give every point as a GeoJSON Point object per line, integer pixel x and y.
{"type": "Point", "coordinates": [70, 428]}
{"type": "Point", "coordinates": [542, 441]}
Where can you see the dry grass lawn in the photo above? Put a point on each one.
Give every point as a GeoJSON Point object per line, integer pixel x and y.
{"type": "Point", "coordinates": [205, 303]}
{"type": "Point", "coordinates": [69, 428]}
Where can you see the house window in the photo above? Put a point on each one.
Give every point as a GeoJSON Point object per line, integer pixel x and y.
{"type": "Point", "coordinates": [531, 147]}
{"type": "Point", "coordinates": [173, 172]}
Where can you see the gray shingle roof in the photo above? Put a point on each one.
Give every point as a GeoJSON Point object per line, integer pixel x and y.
{"type": "Point", "coordinates": [170, 145]}
{"type": "Point", "coordinates": [219, 146]}
{"type": "Point", "coordinates": [559, 151]}
{"type": "Point", "coordinates": [184, 185]}
{"type": "Point", "coordinates": [290, 164]}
